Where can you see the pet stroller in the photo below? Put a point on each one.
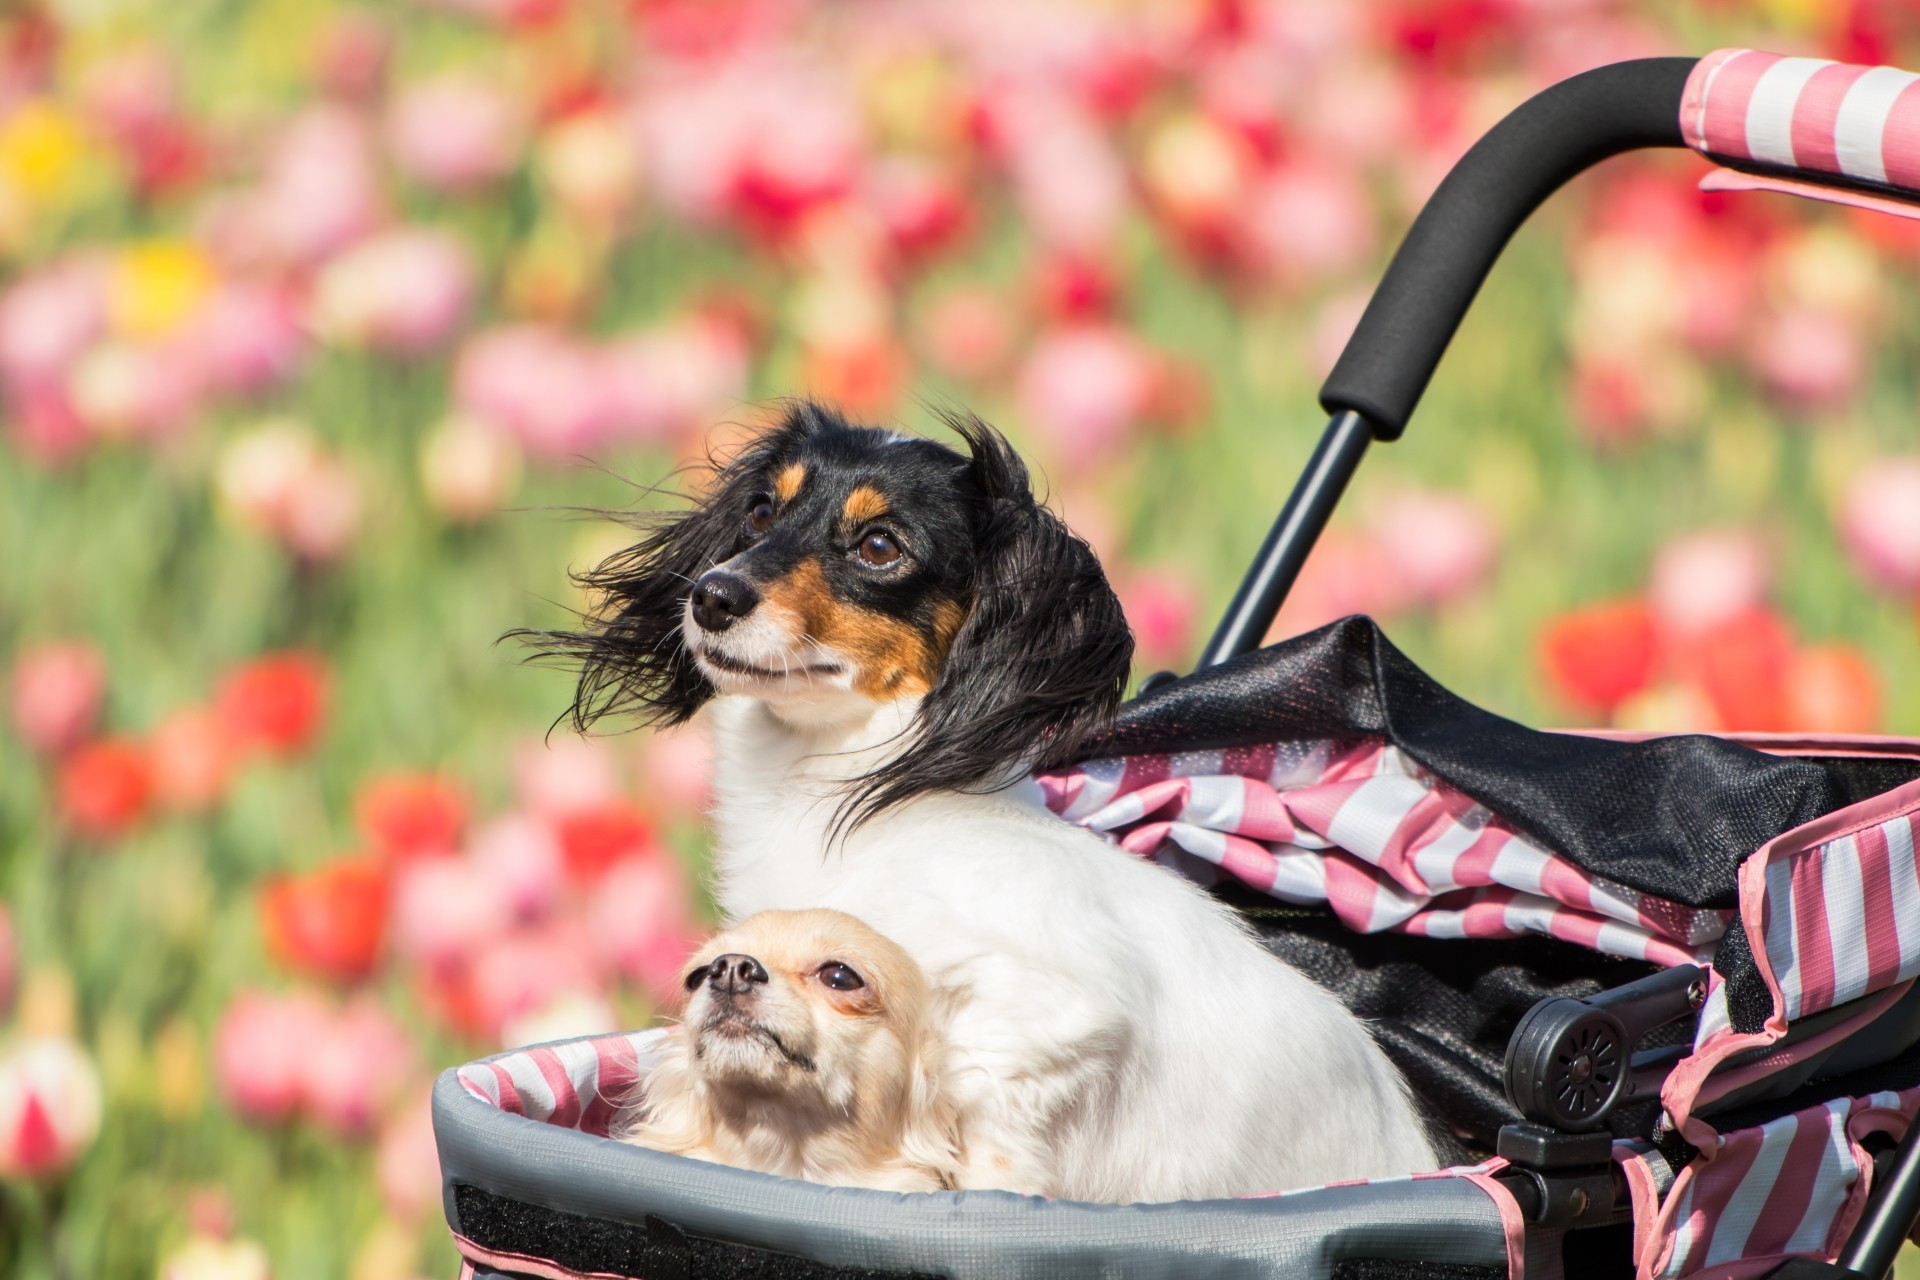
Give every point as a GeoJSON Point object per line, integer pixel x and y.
{"type": "Point", "coordinates": [1666, 987]}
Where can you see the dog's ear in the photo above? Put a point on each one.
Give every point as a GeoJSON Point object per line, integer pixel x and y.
{"type": "Point", "coordinates": [1041, 661]}
{"type": "Point", "coordinates": [631, 654]}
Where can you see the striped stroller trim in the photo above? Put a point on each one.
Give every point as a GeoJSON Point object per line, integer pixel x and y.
{"type": "Point", "coordinates": [1832, 913]}
{"type": "Point", "coordinates": [1790, 1188]}
{"type": "Point", "coordinates": [1383, 843]}
{"type": "Point", "coordinates": [575, 1084]}
{"type": "Point", "coordinates": [1861, 124]}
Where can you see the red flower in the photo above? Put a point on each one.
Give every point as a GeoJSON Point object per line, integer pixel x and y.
{"type": "Point", "coordinates": [330, 922]}
{"type": "Point", "coordinates": [274, 703]}
{"type": "Point", "coordinates": [105, 786]}
{"type": "Point", "coordinates": [594, 839]}
{"type": "Point", "coordinates": [1742, 664]}
{"type": "Point", "coordinates": [1599, 654]}
{"type": "Point", "coordinates": [1831, 689]}
{"type": "Point", "coordinates": [410, 815]}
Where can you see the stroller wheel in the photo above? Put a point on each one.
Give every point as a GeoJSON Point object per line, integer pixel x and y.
{"type": "Point", "coordinates": [1567, 1065]}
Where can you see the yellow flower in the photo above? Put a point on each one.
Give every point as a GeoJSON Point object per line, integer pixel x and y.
{"type": "Point", "coordinates": [40, 150]}
{"type": "Point", "coordinates": [159, 285]}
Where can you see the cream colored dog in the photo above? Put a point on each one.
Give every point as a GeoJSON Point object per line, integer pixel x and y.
{"type": "Point", "coordinates": [805, 1051]}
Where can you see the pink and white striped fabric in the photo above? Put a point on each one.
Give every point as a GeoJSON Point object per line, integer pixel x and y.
{"type": "Point", "coordinates": [1842, 919]}
{"type": "Point", "coordinates": [1820, 117]}
{"type": "Point", "coordinates": [576, 1084]}
{"type": "Point", "coordinates": [1383, 843]}
{"type": "Point", "coordinates": [1790, 1188]}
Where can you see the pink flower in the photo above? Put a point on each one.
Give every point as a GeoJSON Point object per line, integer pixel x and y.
{"type": "Point", "coordinates": [520, 972]}
{"type": "Point", "coordinates": [967, 334]}
{"type": "Point", "coordinates": [132, 92]}
{"type": "Point", "coordinates": [1308, 220]}
{"type": "Point", "coordinates": [1704, 579]}
{"type": "Point", "coordinates": [121, 390]}
{"type": "Point", "coordinates": [193, 756]}
{"type": "Point", "coordinates": [258, 472]}
{"type": "Point", "coordinates": [1359, 110]}
{"type": "Point", "coordinates": [1441, 545]}
{"type": "Point", "coordinates": [354, 1067]}
{"type": "Point", "coordinates": [1067, 175]}
{"type": "Point", "coordinates": [323, 513]}
{"type": "Point", "coordinates": [520, 855]}
{"type": "Point", "coordinates": [468, 469]}
{"type": "Point", "coordinates": [640, 921]}
{"type": "Point", "coordinates": [245, 340]}
{"type": "Point", "coordinates": [922, 207]}
{"type": "Point", "coordinates": [455, 132]}
{"type": "Point", "coordinates": [49, 1106]}
{"type": "Point", "coordinates": [1162, 607]}
{"type": "Point", "coordinates": [802, 152]}
{"type": "Point", "coordinates": [540, 384]}
{"type": "Point", "coordinates": [564, 775]}
{"type": "Point", "coordinates": [318, 191]}
{"type": "Point", "coordinates": [671, 380]}
{"type": "Point", "coordinates": [1880, 522]}
{"type": "Point", "coordinates": [260, 1050]}
{"type": "Point", "coordinates": [1086, 387]}
{"type": "Point", "coordinates": [676, 768]}
{"type": "Point", "coordinates": [57, 694]}
{"type": "Point", "coordinates": [444, 908]}
{"type": "Point", "coordinates": [402, 291]}
{"type": "Point", "coordinates": [407, 1163]}
{"type": "Point", "coordinates": [44, 425]}
{"type": "Point", "coordinates": [355, 47]}
{"type": "Point", "coordinates": [1346, 573]}
{"type": "Point", "coordinates": [1810, 358]}
{"type": "Point", "coordinates": [48, 318]}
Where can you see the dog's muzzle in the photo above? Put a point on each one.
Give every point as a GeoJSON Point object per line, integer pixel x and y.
{"type": "Point", "coordinates": [719, 599]}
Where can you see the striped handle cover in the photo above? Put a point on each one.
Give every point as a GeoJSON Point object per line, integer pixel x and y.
{"type": "Point", "coordinates": [1823, 119]}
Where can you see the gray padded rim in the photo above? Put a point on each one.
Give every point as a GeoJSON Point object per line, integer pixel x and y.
{"type": "Point", "coordinates": [959, 1234]}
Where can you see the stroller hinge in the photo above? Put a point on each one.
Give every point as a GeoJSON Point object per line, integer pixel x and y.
{"type": "Point", "coordinates": [1561, 1179]}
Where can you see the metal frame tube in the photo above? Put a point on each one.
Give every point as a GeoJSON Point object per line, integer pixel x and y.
{"type": "Point", "coordinates": [1314, 496]}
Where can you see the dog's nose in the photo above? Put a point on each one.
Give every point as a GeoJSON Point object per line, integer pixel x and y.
{"type": "Point", "coordinates": [719, 598]}
{"type": "Point", "coordinates": [733, 973]}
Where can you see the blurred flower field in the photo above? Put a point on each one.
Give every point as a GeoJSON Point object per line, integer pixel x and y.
{"type": "Point", "coordinates": [324, 328]}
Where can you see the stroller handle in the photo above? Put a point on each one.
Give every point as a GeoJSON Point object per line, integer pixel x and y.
{"type": "Point", "coordinates": [1802, 125]}
{"type": "Point", "coordinates": [1453, 244]}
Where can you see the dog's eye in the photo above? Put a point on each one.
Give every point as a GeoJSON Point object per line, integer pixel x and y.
{"type": "Point", "coordinates": [841, 978]}
{"type": "Point", "coordinates": [697, 977]}
{"type": "Point", "coordinates": [760, 514]}
{"type": "Point", "coordinates": [879, 549]}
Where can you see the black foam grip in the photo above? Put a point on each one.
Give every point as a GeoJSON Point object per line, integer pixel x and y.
{"type": "Point", "coordinates": [1455, 241]}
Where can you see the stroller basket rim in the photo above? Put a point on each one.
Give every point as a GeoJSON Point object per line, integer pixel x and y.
{"type": "Point", "coordinates": [1456, 1216]}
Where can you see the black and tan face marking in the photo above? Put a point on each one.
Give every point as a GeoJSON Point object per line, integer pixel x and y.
{"type": "Point", "coordinates": [788, 482]}
{"type": "Point", "coordinates": [860, 543]}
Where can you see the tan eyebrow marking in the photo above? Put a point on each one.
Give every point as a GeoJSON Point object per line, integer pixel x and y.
{"type": "Point", "coordinates": [863, 504]}
{"type": "Point", "coordinates": [788, 482]}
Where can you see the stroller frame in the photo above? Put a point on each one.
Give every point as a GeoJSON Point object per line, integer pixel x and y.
{"type": "Point", "coordinates": [1559, 1167]}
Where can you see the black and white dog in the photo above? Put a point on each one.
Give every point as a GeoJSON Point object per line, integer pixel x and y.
{"type": "Point", "coordinates": [893, 635]}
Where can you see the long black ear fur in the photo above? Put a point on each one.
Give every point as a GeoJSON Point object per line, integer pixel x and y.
{"type": "Point", "coordinates": [1041, 661]}
{"type": "Point", "coordinates": [631, 656]}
